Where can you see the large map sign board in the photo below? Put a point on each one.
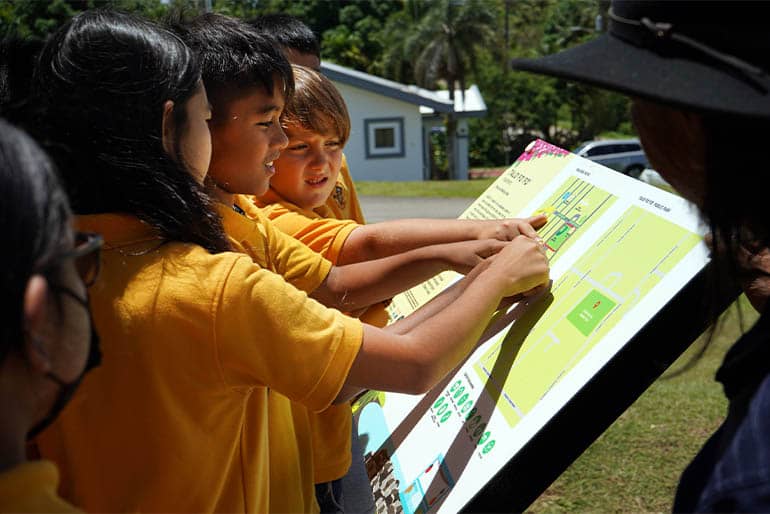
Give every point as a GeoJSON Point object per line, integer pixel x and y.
{"type": "Point", "coordinates": [619, 251]}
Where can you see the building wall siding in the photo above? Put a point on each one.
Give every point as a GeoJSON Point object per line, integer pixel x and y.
{"type": "Point", "coordinates": [364, 105]}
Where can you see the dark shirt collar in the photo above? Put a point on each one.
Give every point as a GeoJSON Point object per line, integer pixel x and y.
{"type": "Point", "coordinates": [748, 361]}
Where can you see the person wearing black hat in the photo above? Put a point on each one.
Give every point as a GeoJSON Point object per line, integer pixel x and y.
{"type": "Point", "coordinates": [699, 77]}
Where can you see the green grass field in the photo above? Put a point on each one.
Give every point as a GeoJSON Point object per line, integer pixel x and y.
{"type": "Point", "coordinates": [435, 188]}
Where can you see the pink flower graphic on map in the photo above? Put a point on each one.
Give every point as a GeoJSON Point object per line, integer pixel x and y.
{"type": "Point", "coordinates": [539, 148]}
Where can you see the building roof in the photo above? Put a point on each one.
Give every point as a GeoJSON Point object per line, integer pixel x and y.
{"type": "Point", "coordinates": [469, 105]}
{"type": "Point", "coordinates": [433, 100]}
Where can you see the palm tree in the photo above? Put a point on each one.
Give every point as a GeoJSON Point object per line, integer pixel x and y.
{"type": "Point", "coordinates": [394, 63]}
{"type": "Point", "coordinates": [443, 47]}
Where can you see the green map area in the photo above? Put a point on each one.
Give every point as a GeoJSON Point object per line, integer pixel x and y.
{"type": "Point", "coordinates": [569, 209]}
{"type": "Point", "coordinates": [625, 263]}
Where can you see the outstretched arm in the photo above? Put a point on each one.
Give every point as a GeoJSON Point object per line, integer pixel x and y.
{"type": "Point", "coordinates": [355, 286]}
{"type": "Point", "coordinates": [448, 296]}
{"type": "Point", "coordinates": [387, 238]}
{"type": "Point", "coordinates": [417, 359]}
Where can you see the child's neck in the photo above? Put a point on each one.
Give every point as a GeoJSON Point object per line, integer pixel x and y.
{"type": "Point", "coordinates": [223, 196]}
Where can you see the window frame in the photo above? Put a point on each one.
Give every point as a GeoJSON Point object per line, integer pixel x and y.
{"type": "Point", "coordinates": [372, 124]}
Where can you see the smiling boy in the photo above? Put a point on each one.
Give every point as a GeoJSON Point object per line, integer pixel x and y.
{"type": "Point", "coordinates": [248, 81]}
{"type": "Point", "coordinates": [245, 131]}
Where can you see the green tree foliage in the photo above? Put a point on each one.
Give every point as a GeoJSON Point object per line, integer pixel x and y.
{"type": "Point", "coordinates": [590, 110]}
{"type": "Point", "coordinates": [354, 42]}
{"type": "Point", "coordinates": [442, 45]}
{"type": "Point", "coordinates": [525, 108]}
{"type": "Point", "coordinates": [445, 42]}
{"type": "Point", "coordinates": [432, 43]}
{"type": "Point", "coordinates": [38, 18]}
{"type": "Point", "coordinates": [521, 106]}
{"type": "Point", "coordinates": [394, 61]}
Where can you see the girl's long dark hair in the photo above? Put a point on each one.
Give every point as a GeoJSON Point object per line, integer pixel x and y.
{"type": "Point", "coordinates": [100, 86]}
{"type": "Point", "coordinates": [35, 220]}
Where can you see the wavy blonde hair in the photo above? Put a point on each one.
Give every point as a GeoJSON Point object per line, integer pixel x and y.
{"type": "Point", "coordinates": [316, 105]}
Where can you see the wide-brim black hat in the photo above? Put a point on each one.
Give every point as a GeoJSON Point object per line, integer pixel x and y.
{"type": "Point", "coordinates": [703, 55]}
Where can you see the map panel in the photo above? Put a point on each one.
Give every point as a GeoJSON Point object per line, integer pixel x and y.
{"type": "Point", "coordinates": [619, 251]}
{"type": "Point", "coordinates": [588, 300]}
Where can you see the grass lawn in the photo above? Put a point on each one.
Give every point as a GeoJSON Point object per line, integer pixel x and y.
{"type": "Point", "coordinates": [433, 188]}
{"type": "Point", "coordinates": [635, 465]}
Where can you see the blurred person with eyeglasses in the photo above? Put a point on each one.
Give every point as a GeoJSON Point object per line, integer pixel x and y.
{"type": "Point", "coordinates": [48, 342]}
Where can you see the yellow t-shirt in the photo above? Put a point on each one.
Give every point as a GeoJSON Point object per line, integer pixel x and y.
{"type": "Point", "coordinates": [324, 235]}
{"type": "Point", "coordinates": [253, 234]}
{"type": "Point", "coordinates": [31, 487]}
{"type": "Point", "coordinates": [305, 269]}
{"type": "Point", "coordinates": [201, 355]}
{"type": "Point", "coordinates": [331, 428]}
{"type": "Point", "coordinates": [343, 203]}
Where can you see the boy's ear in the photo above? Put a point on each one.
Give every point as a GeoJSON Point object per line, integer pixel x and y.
{"type": "Point", "coordinates": [35, 319]}
{"type": "Point", "coordinates": [167, 127]}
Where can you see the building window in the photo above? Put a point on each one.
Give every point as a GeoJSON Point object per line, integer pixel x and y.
{"type": "Point", "coordinates": [384, 137]}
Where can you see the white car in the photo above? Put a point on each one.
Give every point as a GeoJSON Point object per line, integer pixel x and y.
{"type": "Point", "coordinates": [623, 155]}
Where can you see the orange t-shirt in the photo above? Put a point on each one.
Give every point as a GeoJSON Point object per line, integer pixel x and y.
{"type": "Point", "coordinates": [326, 236]}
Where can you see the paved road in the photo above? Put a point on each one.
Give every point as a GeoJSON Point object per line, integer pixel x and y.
{"type": "Point", "coordinates": [381, 208]}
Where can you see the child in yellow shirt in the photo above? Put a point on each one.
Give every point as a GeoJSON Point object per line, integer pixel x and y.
{"type": "Point", "coordinates": [239, 152]}
{"type": "Point", "coordinates": [212, 360]}
{"type": "Point", "coordinates": [316, 122]}
{"type": "Point", "coordinates": [206, 352]}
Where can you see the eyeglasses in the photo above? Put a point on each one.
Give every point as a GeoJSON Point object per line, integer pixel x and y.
{"type": "Point", "coordinates": [86, 256]}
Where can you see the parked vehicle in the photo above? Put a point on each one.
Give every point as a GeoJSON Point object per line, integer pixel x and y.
{"type": "Point", "coordinates": [623, 155]}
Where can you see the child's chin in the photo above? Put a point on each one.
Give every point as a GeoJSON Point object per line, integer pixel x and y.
{"type": "Point", "coordinates": [261, 189]}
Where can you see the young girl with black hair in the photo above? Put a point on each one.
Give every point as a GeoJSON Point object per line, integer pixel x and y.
{"type": "Point", "coordinates": [206, 353]}
{"type": "Point", "coordinates": [46, 341]}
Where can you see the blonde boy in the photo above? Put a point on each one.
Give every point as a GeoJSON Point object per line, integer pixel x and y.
{"type": "Point", "coordinates": [300, 46]}
{"type": "Point", "coordinates": [317, 125]}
